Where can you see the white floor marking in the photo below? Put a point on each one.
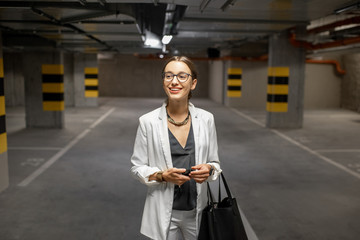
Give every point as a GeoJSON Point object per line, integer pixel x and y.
{"type": "Point", "coordinates": [326, 159]}
{"type": "Point", "coordinates": [64, 150]}
{"type": "Point", "coordinates": [34, 148]}
{"type": "Point", "coordinates": [338, 150]}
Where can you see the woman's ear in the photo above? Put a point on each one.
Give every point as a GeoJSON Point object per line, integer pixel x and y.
{"type": "Point", "coordinates": [193, 84]}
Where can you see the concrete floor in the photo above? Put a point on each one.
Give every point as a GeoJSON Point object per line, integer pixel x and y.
{"type": "Point", "coordinates": [75, 183]}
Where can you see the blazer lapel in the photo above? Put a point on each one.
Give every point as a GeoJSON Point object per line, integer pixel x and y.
{"type": "Point", "coordinates": [164, 136]}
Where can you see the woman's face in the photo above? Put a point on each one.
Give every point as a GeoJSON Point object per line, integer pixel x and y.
{"type": "Point", "coordinates": [174, 89]}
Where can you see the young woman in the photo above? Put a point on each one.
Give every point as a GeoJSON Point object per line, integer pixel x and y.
{"type": "Point", "coordinates": [175, 151]}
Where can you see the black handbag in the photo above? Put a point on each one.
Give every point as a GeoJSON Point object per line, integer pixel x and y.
{"type": "Point", "coordinates": [221, 220]}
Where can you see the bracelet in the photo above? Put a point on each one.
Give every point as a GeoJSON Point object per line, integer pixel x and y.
{"type": "Point", "coordinates": [159, 176]}
{"type": "Point", "coordinates": [211, 169]}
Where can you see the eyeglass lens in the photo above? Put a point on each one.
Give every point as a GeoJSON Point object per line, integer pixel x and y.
{"type": "Point", "coordinates": [182, 77]}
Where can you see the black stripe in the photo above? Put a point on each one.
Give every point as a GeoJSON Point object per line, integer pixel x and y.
{"type": "Point", "coordinates": [234, 88]}
{"type": "Point", "coordinates": [278, 80]}
{"type": "Point", "coordinates": [277, 98]}
{"type": "Point", "coordinates": [91, 76]}
{"type": "Point", "coordinates": [2, 124]}
{"type": "Point", "coordinates": [91, 88]}
{"type": "Point", "coordinates": [52, 78]}
{"type": "Point", "coordinates": [53, 97]}
{"type": "Point", "coordinates": [234, 76]}
{"type": "Point", "coordinates": [2, 87]}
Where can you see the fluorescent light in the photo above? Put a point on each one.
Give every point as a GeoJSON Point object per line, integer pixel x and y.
{"type": "Point", "coordinates": [152, 40]}
{"type": "Point", "coordinates": [166, 39]}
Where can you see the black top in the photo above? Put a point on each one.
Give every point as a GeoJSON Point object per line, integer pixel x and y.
{"type": "Point", "coordinates": [184, 196]}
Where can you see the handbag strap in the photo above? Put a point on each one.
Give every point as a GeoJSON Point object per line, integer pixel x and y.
{"type": "Point", "coordinates": [210, 196]}
{"type": "Point", "coordinates": [226, 187]}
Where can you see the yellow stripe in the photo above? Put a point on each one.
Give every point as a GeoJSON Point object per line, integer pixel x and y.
{"type": "Point", "coordinates": [53, 87]}
{"type": "Point", "coordinates": [91, 93]}
{"type": "Point", "coordinates": [277, 89]}
{"type": "Point", "coordinates": [52, 69]}
{"type": "Point", "coordinates": [91, 82]}
{"type": "Point", "coordinates": [1, 68]}
{"type": "Point", "coordinates": [2, 105]}
{"type": "Point", "coordinates": [234, 93]}
{"type": "Point", "coordinates": [234, 71]}
{"type": "Point", "coordinates": [53, 106]}
{"type": "Point", "coordinates": [278, 71]}
{"type": "Point", "coordinates": [91, 70]}
{"type": "Point", "coordinates": [233, 82]}
{"type": "Point", "coordinates": [276, 107]}
{"type": "Point", "coordinates": [3, 143]}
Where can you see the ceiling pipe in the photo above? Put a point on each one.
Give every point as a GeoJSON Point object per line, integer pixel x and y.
{"type": "Point", "coordinates": [310, 46]}
{"type": "Point", "coordinates": [262, 58]}
{"type": "Point", "coordinates": [336, 64]}
{"type": "Point", "coordinates": [331, 26]}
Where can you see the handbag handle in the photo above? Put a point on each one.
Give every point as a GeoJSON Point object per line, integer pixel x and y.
{"type": "Point", "coordinates": [210, 195]}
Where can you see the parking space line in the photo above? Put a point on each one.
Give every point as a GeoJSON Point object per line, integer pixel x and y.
{"type": "Point", "coordinates": [326, 159]}
{"type": "Point", "coordinates": [34, 148]}
{"type": "Point", "coordinates": [64, 150]}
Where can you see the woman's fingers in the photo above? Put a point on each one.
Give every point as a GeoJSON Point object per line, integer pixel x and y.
{"type": "Point", "coordinates": [175, 176]}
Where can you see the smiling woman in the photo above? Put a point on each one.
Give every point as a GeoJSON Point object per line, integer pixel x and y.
{"type": "Point", "coordinates": [175, 151]}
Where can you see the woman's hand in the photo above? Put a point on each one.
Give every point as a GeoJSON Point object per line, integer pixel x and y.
{"type": "Point", "coordinates": [201, 173]}
{"type": "Point", "coordinates": [175, 176]}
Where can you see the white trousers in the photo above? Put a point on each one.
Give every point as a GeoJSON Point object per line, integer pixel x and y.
{"type": "Point", "coordinates": [182, 225]}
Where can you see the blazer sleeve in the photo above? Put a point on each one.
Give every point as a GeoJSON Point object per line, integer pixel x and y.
{"type": "Point", "coordinates": [140, 159]}
{"type": "Point", "coordinates": [213, 158]}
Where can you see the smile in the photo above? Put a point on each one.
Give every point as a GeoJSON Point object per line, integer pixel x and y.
{"type": "Point", "coordinates": [174, 90]}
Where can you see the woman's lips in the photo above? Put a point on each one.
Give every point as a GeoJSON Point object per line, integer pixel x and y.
{"type": "Point", "coordinates": [174, 90]}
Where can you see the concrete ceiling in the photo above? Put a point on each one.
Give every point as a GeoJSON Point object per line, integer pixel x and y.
{"type": "Point", "coordinates": [237, 26]}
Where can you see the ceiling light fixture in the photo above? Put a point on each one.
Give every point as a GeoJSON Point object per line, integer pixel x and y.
{"type": "Point", "coordinates": [166, 39]}
{"type": "Point", "coordinates": [347, 8]}
{"type": "Point", "coordinates": [203, 4]}
{"type": "Point", "coordinates": [227, 4]}
{"type": "Point", "coordinates": [152, 40]}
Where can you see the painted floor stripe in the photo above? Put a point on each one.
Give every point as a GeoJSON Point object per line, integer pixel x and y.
{"type": "Point", "coordinates": [338, 150]}
{"type": "Point", "coordinates": [326, 159]}
{"type": "Point", "coordinates": [64, 150]}
{"type": "Point", "coordinates": [34, 148]}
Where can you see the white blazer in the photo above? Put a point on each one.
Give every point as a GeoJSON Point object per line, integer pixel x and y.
{"type": "Point", "coordinates": [152, 154]}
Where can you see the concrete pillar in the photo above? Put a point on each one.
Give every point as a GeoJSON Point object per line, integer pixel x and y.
{"type": "Point", "coordinates": [4, 169]}
{"type": "Point", "coordinates": [14, 79]}
{"type": "Point", "coordinates": [285, 90]}
{"type": "Point", "coordinates": [44, 89]}
{"type": "Point", "coordinates": [86, 80]}
{"type": "Point", "coordinates": [69, 82]}
{"type": "Point", "coordinates": [233, 83]}
{"type": "Point", "coordinates": [350, 85]}
{"type": "Point", "coordinates": [216, 83]}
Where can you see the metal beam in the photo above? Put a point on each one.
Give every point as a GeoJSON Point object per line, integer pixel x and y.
{"type": "Point", "coordinates": [237, 20]}
{"type": "Point", "coordinates": [67, 25]}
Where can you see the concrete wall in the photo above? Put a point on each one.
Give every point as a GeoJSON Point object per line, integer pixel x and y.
{"type": "Point", "coordinates": [130, 76]}
{"type": "Point", "coordinates": [350, 89]}
{"type": "Point", "coordinates": [254, 85]}
{"type": "Point", "coordinates": [14, 80]}
{"type": "Point", "coordinates": [322, 86]}
{"type": "Point", "coordinates": [216, 86]}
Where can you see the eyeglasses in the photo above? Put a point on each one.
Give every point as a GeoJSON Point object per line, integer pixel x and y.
{"type": "Point", "coordinates": [182, 77]}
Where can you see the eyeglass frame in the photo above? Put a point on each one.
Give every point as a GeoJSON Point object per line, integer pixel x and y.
{"type": "Point", "coordinates": [173, 75]}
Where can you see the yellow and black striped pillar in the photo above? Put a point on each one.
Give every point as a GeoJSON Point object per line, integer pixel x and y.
{"type": "Point", "coordinates": [3, 137]}
{"type": "Point", "coordinates": [278, 89]}
{"type": "Point", "coordinates": [53, 87]}
{"type": "Point", "coordinates": [91, 82]}
{"type": "Point", "coordinates": [234, 82]}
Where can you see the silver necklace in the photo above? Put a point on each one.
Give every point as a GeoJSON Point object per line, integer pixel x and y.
{"type": "Point", "coordinates": [178, 123]}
